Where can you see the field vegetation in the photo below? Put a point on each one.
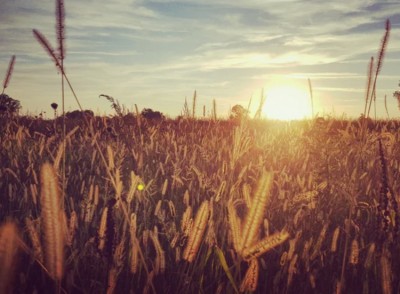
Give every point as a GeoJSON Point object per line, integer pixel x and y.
{"type": "Point", "coordinates": [317, 199]}
{"type": "Point", "coordinates": [141, 203]}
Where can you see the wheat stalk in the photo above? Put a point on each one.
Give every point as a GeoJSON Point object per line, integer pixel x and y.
{"type": "Point", "coordinates": [196, 235]}
{"type": "Point", "coordinates": [51, 220]}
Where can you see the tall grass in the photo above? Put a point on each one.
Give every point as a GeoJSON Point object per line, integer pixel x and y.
{"type": "Point", "coordinates": [277, 207]}
{"type": "Point", "coordinates": [9, 72]}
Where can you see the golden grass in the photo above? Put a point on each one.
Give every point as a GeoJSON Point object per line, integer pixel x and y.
{"type": "Point", "coordinates": [250, 279]}
{"type": "Point", "coordinates": [255, 215]}
{"type": "Point", "coordinates": [51, 221]}
{"type": "Point", "coordinates": [8, 252]}
{"type": "Point", "coordinates": [196, 235]}
{"type": "Point", "coordinates": [265, 245]}
{"type": "Point", "coordinates": [9, 73]}
{"type": "Point", "coordinates": [35, 239]}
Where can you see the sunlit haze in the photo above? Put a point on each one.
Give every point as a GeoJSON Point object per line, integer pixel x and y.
{"type": "Point", "coordinates": [157, 53]}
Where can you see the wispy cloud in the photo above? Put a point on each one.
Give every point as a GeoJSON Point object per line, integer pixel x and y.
{"type": "Point", "coordinates": [154, 53]}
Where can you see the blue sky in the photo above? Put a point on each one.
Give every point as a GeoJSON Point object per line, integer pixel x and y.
{"type": "Point", "coordinates": [156, 53]}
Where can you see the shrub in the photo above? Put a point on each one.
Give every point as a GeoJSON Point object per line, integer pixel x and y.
{"type": "Point", "coordinates": [8, 105]}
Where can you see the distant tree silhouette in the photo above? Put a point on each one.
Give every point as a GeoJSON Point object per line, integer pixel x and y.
{"type": "Point", "coordinates": [148, 113]}
{"type": "Point", "coordinates": [239, 112]}
{"type": "Point", "coordinates": [8, 105]}
{"type": "Point", "coordinates": [77, 114]}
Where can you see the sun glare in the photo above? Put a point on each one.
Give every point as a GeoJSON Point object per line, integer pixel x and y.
{"type": "Point", "coordinates": [287, 101]}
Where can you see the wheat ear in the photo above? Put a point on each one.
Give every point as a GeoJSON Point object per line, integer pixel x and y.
{"type": "Point", "coordinates": [8, 251]}
{"type": "Point", "coordinates": [9, 73]}
{"type": "Point", "coordinates": [199, 227]}
{"type": "Point", "coordinates": [256, 214]}
{"type": "Point", "coordinates": [51, 220]}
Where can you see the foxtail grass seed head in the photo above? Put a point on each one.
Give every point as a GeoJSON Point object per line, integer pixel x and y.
{"type": "Point", "coordinates": [35, 239]}
{"type": "Point", "coordinates": [46, 45]}
{"type": "Point", "coordinates": [186, 220]}
{"type": "Point", "coordinates": [250, 280]}
{"type": "Point", "coordinates": [73, 226]}
{"type": "Point", "coordinates": [234, 225]}
{"type": "Point", "coordinates": [354, 253]}
{"type": "Point", "coordinates": [197, 233]}
{"type": "Point", "coordinates": [60, 28]}
{"type": "Point", "coordinates": [335, 238]}
{"type": "Point", "coordinates": [265, 245]}
{"type": "Point", "coordinates": [164, 188]}
{"type": "Point", "coordinates": [8, 252]}
{"type": "Point", "coordinates": [102, 229]}
{"type": "Point", "coordinates": [369, 260]}
{"type": "Point", "coordinates": [52, 221]}
{"type": "Point", "coordinates": [386, 275]}
{"type": "Point", "coordinates": [256, 213]}
{"type": "Point", "coordinates": [9, 73]}
{"type": "Point", "coordinates": [160, 255]}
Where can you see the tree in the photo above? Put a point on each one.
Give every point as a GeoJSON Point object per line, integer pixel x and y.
{"type": "Point", "coordinates": [239, 112]}
{"type": "Point", "coordinates": [148, 113]}
{"type": "Point", "coordinates": [8, 105]}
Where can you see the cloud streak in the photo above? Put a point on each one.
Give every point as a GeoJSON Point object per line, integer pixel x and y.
{"type": "Point", "coordinates": [154, 53]}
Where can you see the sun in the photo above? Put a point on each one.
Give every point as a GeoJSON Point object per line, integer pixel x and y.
{"type": "Point", "coordinates": [287, 100]}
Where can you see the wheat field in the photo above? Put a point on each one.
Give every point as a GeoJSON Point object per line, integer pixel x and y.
{"type": "Point", "coordinates": [199, 206]}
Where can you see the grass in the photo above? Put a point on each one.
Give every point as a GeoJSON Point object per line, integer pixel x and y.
{"type": "Point", "coordinates": [204, 206]}
{"type": "Point", "coordinates": [323, 191]}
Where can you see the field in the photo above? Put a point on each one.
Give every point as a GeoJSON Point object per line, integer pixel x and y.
{"type": "Point", "coordinates": [199, 206]}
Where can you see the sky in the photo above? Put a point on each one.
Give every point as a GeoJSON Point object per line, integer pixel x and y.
{"type": "Point", "coordinates": [157, 53]}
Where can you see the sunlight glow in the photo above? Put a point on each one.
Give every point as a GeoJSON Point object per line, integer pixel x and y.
{"type": "Point", "coordinates": [287, 100]}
